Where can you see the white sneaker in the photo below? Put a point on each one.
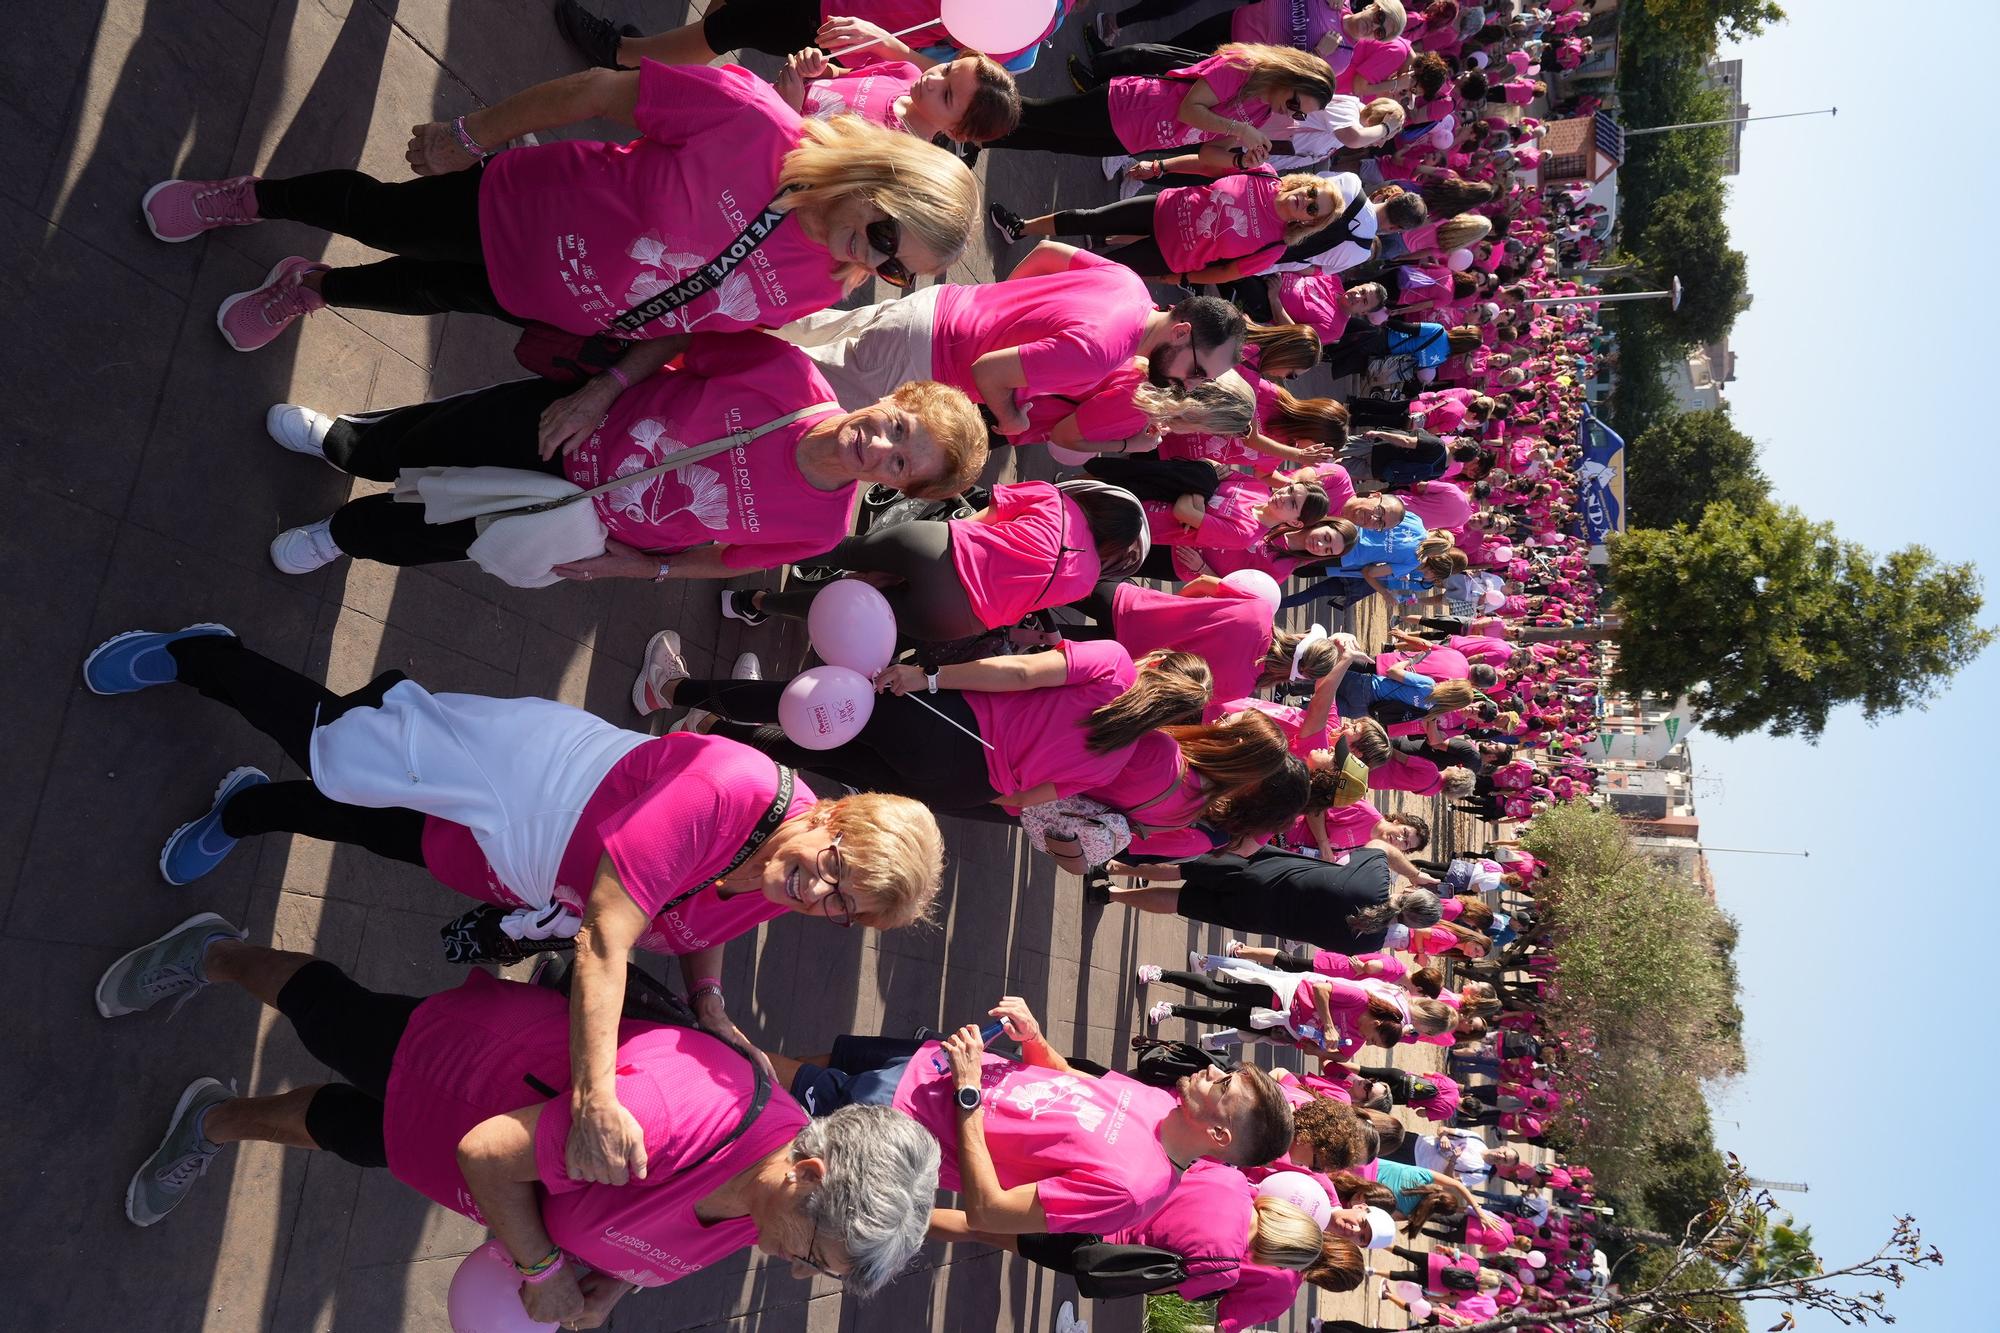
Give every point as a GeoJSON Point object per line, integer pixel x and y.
{"type": "Point", "coordinates": [1159, 1014]}
{"type": "Point", "coordinates": [1116, 163]}
{"type": "Point", "coordinates": [302, 550]}
{"type": "Point", "coordinates": [1129, 187]}
{"type": "Point", "coordinates": [747, 668]}
{"type": "Point", "coordinates": [299, 429]}
{"type": "Point", "coordinates": [1233, 948]}
{"type": "Point", "coordinates": [1200, 962]}
{"type": "Point", "coordinates": [1066, 1320]}
{"type": "Point", "coordinates": [694, 724]}
{"type": "Point", "coordinates": [1148, 973]}
{"type": "Point", "coordinates": [661, 667]}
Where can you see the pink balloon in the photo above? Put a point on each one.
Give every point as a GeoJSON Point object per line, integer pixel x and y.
{"type": "Point", "coordinates": [851, 626]}
{"type": "Point", "coordinates": [1420, 1310]}
{"type": "Point", "coordinates": [485, 1295]}
{"type": "Point", "coordinates": [998, 29]}
{"type": "Point", "coordinates": [1536, 1259]}
{"type": "Point", "coordinates": [826, 707]}
{"type": "Point", "coordinates": [1299, 1190]}
{"type": "Point", "coordinates": [1441, 137]}
{"type": "Point", "coordinates": [1458, 260]}
{"type": "Point", "coordinates": [1407, 1291]}
{"type": "Point", "coordinates": [1257, 583]}
{"type": "Point", "coordinates": [1069, 457]}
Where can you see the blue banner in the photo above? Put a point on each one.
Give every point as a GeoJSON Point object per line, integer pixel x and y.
{"type": "Point", "coordinates": [1601, 482]}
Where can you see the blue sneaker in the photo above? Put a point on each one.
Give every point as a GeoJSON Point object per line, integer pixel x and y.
{"type": "Point", "coordinates": [198, 846]}
{"type": "Point", "coordinates": [138, 659]}
{"type": "Point", "coordinates": [182, 1158]}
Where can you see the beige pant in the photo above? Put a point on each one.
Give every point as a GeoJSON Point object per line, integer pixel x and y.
{"type": "Point", "coordinates": [868, 354]}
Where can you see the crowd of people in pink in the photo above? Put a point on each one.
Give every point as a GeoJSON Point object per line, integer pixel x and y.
{"type": "Point", "coordinates": [1119, 661]}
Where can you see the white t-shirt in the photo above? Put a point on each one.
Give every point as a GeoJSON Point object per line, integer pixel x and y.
{"type": "Point", "coordinates": [1468, 1162]}
{"type": "Point", "coordinates": [1315, 137]}
{"type": "Point", "coordinates": [1364, 227]}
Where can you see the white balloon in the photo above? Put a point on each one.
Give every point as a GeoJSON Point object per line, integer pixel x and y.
{"type": "Point", "coordinates": [997, 27]}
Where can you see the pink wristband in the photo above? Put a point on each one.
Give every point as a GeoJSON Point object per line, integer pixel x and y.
{"type": "Point", "coordinates": [536, 1280]}
{"type": "Point", "coordinates": [619, 375]}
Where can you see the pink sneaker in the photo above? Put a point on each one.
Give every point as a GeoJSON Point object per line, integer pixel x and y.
{"type": "Point", "coordinates": [250, 320]}
{"type": "Point", "coordinates": [182, 210]}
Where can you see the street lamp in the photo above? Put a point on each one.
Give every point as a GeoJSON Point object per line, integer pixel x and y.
{"type": "Point", "coordinates": [1733, 120]}
{"type": "Point", "coordinates": [1672, 292]}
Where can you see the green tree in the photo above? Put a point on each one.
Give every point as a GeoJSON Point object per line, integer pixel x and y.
{"type": "Point", "coordinates": [1765, 619]}
{"type": "Point", "coordinates": [1689, 1176]}
{"type": "Point", "coordinates": [1678, 467]}
{"type": "Point", "coordinates": [1771, 1247]}
{"type": "Point", "coordinates": [1685, 237]}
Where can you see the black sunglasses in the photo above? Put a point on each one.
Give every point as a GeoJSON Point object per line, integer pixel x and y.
{"type": "Point", "coordinates": [886, 237]}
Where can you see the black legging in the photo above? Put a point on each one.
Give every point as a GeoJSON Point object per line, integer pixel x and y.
{"type": "Point", "coordinates": [1124, 217]}
{"type": "Point", "coordinates": [497, 427]}
{"type": "Point", "coordinates": [1252, 296]}
{"type": "Point", "coordinates": [430, 223]}
{"type": "Point", "coordinates": [1099, 605]}
{"type": "Point", "coordinates": [905, 748]}
{"type": "Point", "coordinates": [1211, 34]}
{"type": "Point", "coordinates": [286, 706]}
{"type": "Point", "coordinates": [354, 1032]}
{"type": "Point", "coordinates": [931, 603]}
{"type": "Point", "coordinates": [1242, 998]}
{"type": "Point", "coordinates": [1075, 123]}
{"type": "Point", "coordinates": [1154, 478]}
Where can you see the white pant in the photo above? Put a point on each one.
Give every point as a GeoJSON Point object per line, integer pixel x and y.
{"type": "Point", "coordinates": [868, 354]}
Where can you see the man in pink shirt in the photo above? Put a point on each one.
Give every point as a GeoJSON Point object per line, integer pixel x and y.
{"type": "Point", "coordinates": [1037, 1145]}
{"type": "Point", "coordinates": [1063, 322]}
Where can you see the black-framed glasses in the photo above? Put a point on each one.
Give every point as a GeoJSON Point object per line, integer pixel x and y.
{"type": "Point", "coordinates": [829, 866]}
{"type": "Point", "coordinates": [885, 237]}
{"type": "Point", "coordinates": [814, 1264]}
{"type": "Point", "coordinates": [1294, 107]}
{"type": "Point", "coordinates": [1312, 202]}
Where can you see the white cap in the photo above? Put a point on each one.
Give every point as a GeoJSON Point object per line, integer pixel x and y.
{"type": "Point", "coordinates": [1381, 1229]}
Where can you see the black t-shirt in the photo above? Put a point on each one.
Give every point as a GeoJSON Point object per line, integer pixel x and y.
{"type": "Point", "coordinates": [1292, 896]}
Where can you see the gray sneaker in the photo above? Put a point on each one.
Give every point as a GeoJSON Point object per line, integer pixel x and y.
{"type": "Point", "coordinates": [182, 1158]}
{"type": "Point", "coordinates": [167, 969]}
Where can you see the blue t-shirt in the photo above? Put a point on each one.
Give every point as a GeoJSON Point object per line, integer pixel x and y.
{"type": "Point", "coordinates": [1429, 344]}
{"type": "Point", "coordinates": [1405, 1180]}
{"type": "Point", "coordinates": [1395, 547]}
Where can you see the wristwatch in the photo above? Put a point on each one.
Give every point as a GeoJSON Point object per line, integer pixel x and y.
{"type": "Point", "coordinates": [930, 680]}
{"type": "Point", "coordinates": [968, 1099]}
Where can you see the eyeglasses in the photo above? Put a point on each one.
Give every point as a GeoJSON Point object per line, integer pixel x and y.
{"type": "Point", "coordinates": [1293, 107]}
{"type": "Point", "coordinates": [1312, 202]}
{"type": "Point", "coordinates": [1381, 23]}
{"type": "Point", "coordinates": [814, 1264]}
{"type": "Point", "coordinates": [886, 237]}
{"type": "Point", "coordinates": [837, 906]}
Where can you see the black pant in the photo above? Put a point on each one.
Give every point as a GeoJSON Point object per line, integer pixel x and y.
{"type": "Point", "coordinates": [1208, 35]}
{"type": "Point", "coordinates": [1253, 297]}
{"type": "Point", "coordinates": [1241, 998]}
{"type": "Point", "coordinates": [1098, 604]}
{"type": "Point", "coordinates": [431, 224]}
{"type": "Point", "coordinates": [1126, 217]}
{"type": "Point", "coordinates": [1077, 123]}
{"type": "Point", "coordinates": [283, 705]}
{"type": "Point", "coordinates": [931, 603]}
{"type": "Point", "coordinates": [497, 426]}
{"type": "Point", "coordinates": [1351, 355]}
{"type": "Point", "coordinates": [905, 748]}
{"type": "Point", "coordinates": [1154, 478]}
{"type": "Point", "coordinates": [354, 1032]}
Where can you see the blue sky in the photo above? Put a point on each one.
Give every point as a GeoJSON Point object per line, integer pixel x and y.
{"type": "Point", "coordinates": [1860, 380]}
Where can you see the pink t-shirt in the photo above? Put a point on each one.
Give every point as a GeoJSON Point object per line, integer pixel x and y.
{"type": "Point", "coordinates": [670, 815]}
{"type": "Point", "coordinates": [1290, 720]}
{"type": "Point", "coordinates": [1207, 1221]}
{"type": "Point", "coordinates": [1338, 485]}
{"type": "Point", "coordinates": [1299, 23]}
{"type": "Point", "coordinates": [1089, 1145]}
{"type": "Point", "coordinates": [1231, 631]}
{"type": "Point", "coordinates": [753, 499]}
{"type": "Point", "coordinates": [1312, 298]}
{"type": "Point", "coordinates": [898, 15]}
{"type": "Point", "coordinates": [1103, 414]}
{"type": "Point", "coordinates": [871, 93]}
{"type": "Point", "coordinates": [1145, 112]}
{"type": "Point", "coordinates": [1351, 825]}
{"type": "Point", "coordinates": [1367, 60]}
{"type": "Point", "coordinates": [1440, 663]}
{"type": "Point", "coordinates": [1235, 218]}
{"type": "Point", "coordinates": [1155, 777]}
{"type": "Point", "coordinates": [1492, 651]}
{"type": "Point", "coordinates": [578, 232]}
{"type": "Point", "coordinates": [1038, 735]}
{"type": "Point", "coordinates": [1033, 550]}
{"type": "Point", "coordinates": [478, 1051]}
{"type": "Point", "coordinates": [1073, 329]}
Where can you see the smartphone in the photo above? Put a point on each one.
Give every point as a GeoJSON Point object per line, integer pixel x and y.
{"type": "Point", "coordinates": [986, 1036]}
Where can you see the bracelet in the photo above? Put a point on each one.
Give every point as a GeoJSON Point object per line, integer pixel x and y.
{"type": "Point", "coordinates": [543, 1266]}
{"type": "Point", "coordinates": [619, 375]}
{"type": "Point", "coordinates": [707, 983]}
{"type": "Point", "coordinates": [712, 988]}
{"type": "Point", "coordinates": [466, 141]}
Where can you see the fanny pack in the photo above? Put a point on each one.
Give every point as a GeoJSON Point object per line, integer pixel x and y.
{"type": "Point", "coordinates": [1103, 1269]}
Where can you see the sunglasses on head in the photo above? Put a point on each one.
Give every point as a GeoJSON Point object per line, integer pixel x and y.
{"type": "Point", "coordinates": [886, 237]}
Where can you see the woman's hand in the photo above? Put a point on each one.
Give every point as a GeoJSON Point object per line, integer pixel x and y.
{"type": "Point", "coordinates": [840, 35]}
{"type": "Point", "coordinates": [715, 1020]}
{"type": "Point", "coordinates": [619, 561]}
{"type": "Point", "coordinates": [434, 150]}
{"type": "Point", "coordinates": [606, 1145]}
{"type": "Point", "coordinates": [601, 1292]}
{"type": "Point", "coordinates": [965, 1051]}
{"type": "Point", "coordinates": [901, 679]}
{"type": "Point", "coordinates": [800, 67]}
{"type": "Point", "coordinates": [1020, 1021]}
{"type": "Point", "coordinates": [1148, 170]}
{"type": "Point", "coordinates": [1255, 143]}
{"type": "Point", "coordinates": [557, 1299]}
{"type": "Point", "coordinates": [572, 419]}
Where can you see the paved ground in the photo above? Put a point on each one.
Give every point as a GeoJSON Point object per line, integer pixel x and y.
{"type": "Point", "coordinates": [141, 491]}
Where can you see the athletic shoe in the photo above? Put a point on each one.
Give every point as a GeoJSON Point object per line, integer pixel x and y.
{"type": "Point", "coordinates": [1006, 221]}
{"type": "Point", "coordinates": [138, 659]}
{"type": "Point", "coordinates": [1115, 164]}
{"type": "Point", "coordinates": [178, 211]}
{"type": "Point", "coordinates": [167, 968]}
{"type": "Point", "coordinates": [198, 846]}
{"type": "Point", "coordinates": [1200, 962]}
{"type": "Point", "coordinates": [1234, 948]}
{"type": "Point", "coordinates": [182, 1158]}
{"type": "Point", "coordinates": [1080, 77]}
{"type": "Point", "coordinates": [594, 36]}
{"type": "Point", "coordinates": [302, 550]}
{"type": "Point", "coordinates": [1159, 1014]}
{"type": "Point", "coordinates": [1103, 31]}
{"type": "Point", "coordinates": [253, 319]}
{"type": "Point", "coordinates": [1066, 1320]}
{"type": "Point", "coordinates": [747, 667]}
{"type": "Point", "coordinates": [659, 671]}
{"type": "Point", "coordinates": [737, 604]}
{"type": "Point", "coordinates": [1227, 1040]}
{"type": "Point", "coordinates": [299, 429]}
{"type": "Point", "coordinates": [1148, 973]}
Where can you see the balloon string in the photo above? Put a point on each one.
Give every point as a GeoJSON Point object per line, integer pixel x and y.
{"type": "Point", "coordinates": [877, 41]}
{"type": "Point", "coordinates": [954, 721]}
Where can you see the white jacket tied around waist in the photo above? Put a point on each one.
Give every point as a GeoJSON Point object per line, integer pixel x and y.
{"type": "Point", "coordinates": [517, 772]}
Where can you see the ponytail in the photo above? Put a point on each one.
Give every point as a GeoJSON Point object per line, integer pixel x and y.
{"type": "Point", "coordinates": [1413, 907]}
{"type": "Point", "coordinates": [1171, 688]}
{"type": "Point", "coordinates": [1281, 1236]}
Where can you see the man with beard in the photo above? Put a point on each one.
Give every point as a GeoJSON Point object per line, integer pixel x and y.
{"type": "Point", "coordinates": [1061, 323]}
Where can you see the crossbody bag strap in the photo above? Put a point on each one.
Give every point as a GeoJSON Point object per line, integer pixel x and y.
{"type": "Point", "coordinates": [706, 278]}
{"type": "Point", "coordinates": [676, 461]}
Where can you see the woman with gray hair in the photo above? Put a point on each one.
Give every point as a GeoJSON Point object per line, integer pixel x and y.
{"type": "Point", "coordinates": [465, 1097]}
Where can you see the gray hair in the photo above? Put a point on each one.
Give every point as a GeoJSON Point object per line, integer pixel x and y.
{"type": "Point", "coordinates": [881, 1178]}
